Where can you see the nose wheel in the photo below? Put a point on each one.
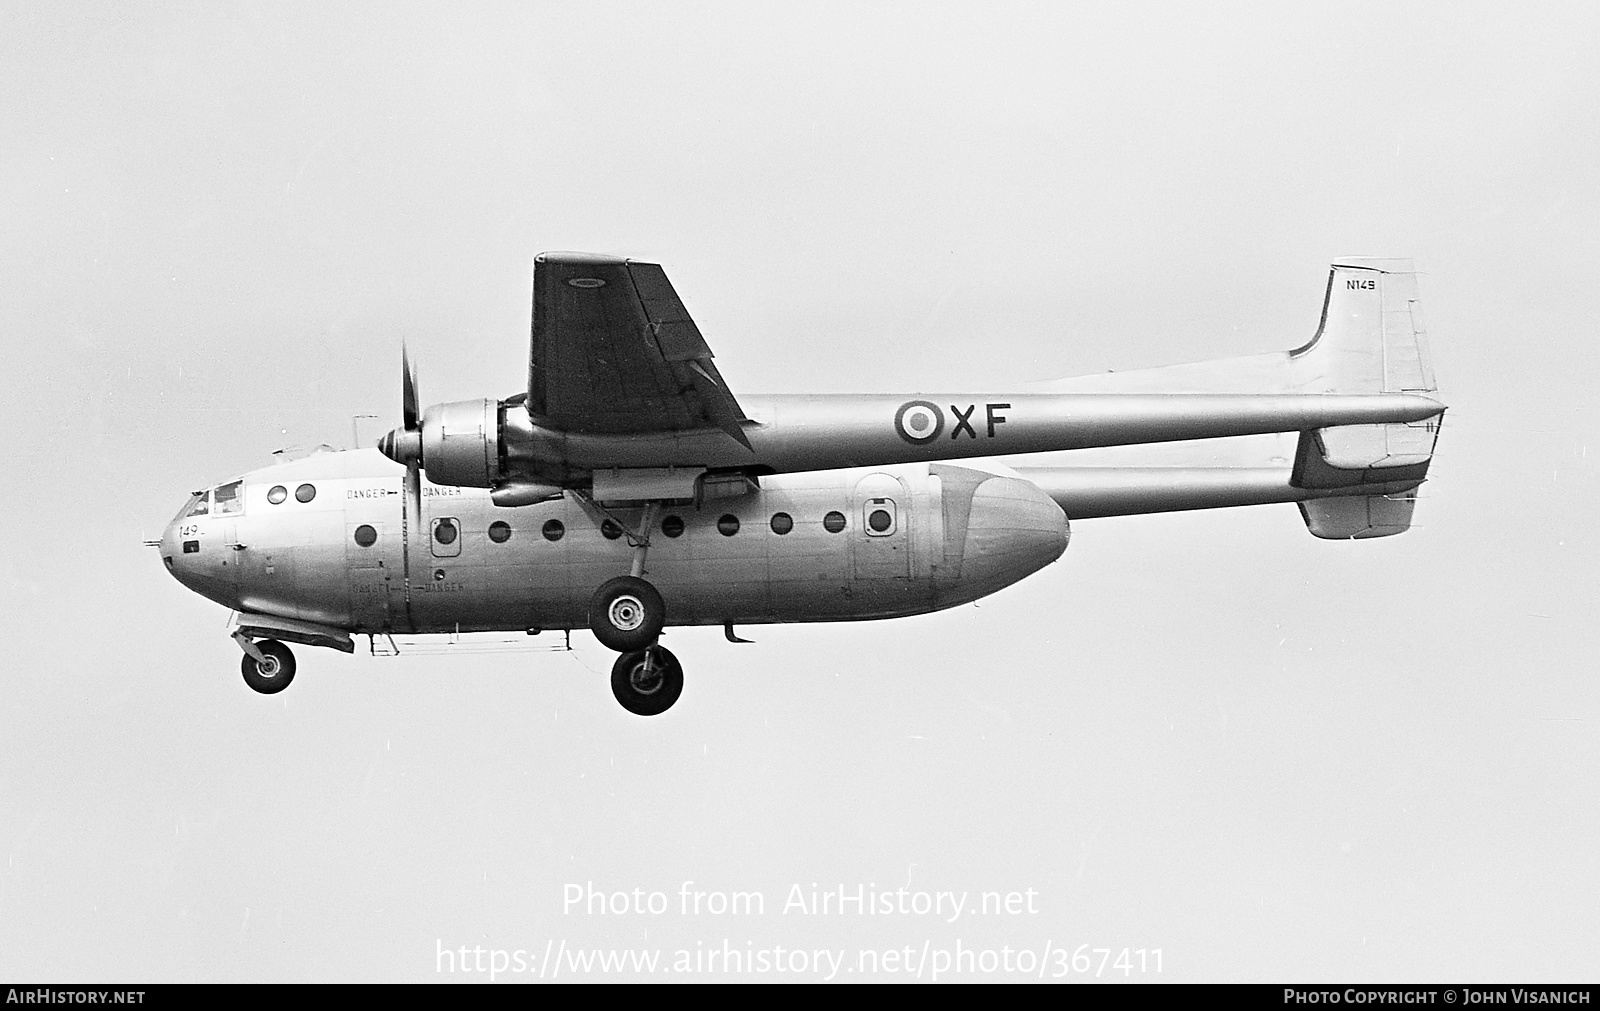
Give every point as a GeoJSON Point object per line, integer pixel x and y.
{"type": "Point", "coordinates": [271, 669]}
{"type": "Point", "coordinates": [648, 681]}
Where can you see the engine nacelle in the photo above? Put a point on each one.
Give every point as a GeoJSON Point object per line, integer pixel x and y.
{"type": "Point", "coordinates": [461, 443]}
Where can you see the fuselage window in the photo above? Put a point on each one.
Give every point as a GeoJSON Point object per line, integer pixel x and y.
{"type": "Point", "coordinates": [880, 520]}
{"type": "Point", "coordinates": [227, 499]}
{"type": "Point", "coordinates": [553, 529]}
{"type": "Point", "coordinates": [305, 493]}
{"type": "Point", "coordinates": [444, 532]}
{"type": "Point", "coordinates": [276, 494]}
{"type": "Point", "coordinates": [833, 522]}
{"type": "Point", "coordinates": [610, 529]}
{"type": "Point", "coordinates": [672, 526]}
{"type": "Point", "coordinates": [728, 525]}
{"type": "Point", "coordinates": [366, 536]}
{"type": "Point", "coordinates": [201, 506]}
{"type": "Point", "coordinates": [782, 523]}
{"type": "Point", "coordinates": [499, 531]}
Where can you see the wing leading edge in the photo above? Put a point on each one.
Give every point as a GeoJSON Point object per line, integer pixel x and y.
{"type": "Point", "coordinates": [615, 352]}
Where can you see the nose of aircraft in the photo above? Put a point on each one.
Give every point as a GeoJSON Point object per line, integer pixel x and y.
{"type": "Point", "coordinates": [191, 551]}
{"type": "Point", "coordinates": [172, 549]}
{"type": "Point", "coordinates": [1014, 529]}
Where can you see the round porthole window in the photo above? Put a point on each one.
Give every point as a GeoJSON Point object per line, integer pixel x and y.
{"type": "Point", "coordinates": [276, 494]}
{"type": "Point", "coordinates": [445, 532]}
{"type": "Point", "coordinates": [672, 526]}
{"type": "Point", "coordinates": [610, 530]}
{"type": "Point", "coordinates": [499, 531]}
{"type": "Point", "coordinates": [305, 493]}
{"type": "Point", "coordinates": [833, 522]}
{"type": "Point", "coordinates": [782, 523]}
{"type": "Point", "coordinates": [728, 525]}
{"type": "Point", "coordinates": [553, 529]}
{"type": "Point", "coordinates": [366, 536]}
{"type": "Point", "coordinates": [880, 520]}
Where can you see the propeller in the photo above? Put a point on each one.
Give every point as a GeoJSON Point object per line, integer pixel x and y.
{"type": "Point", "coordinates": [404, 444]}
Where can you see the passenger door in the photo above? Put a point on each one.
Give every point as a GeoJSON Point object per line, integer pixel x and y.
{"type": "Point", "coordinates": [879, 535]}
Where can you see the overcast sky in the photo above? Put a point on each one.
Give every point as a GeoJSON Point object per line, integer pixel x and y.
{"type": "Point", "coordinates": [1268, 756]}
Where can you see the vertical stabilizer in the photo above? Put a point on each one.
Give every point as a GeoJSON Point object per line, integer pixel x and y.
{"type": "Point", "coordinates": [1371, 340]}
{"type": "Point", "coordinates": [1353, 481]}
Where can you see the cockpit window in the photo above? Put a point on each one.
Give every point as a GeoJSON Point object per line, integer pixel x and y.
{"type": "Point", "coordinates": [200, 505]}
{"type": "Point", "coordinates": [228, 500]}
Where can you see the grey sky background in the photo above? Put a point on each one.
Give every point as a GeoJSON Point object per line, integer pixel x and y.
{"type": "Point", "coordinates": [1268, 756]}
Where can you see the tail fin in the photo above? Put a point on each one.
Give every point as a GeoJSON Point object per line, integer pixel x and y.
{"type": "Point", "coordinates": [1372, 340]}
{"type": "Point", "coordinates": [1357, 480]}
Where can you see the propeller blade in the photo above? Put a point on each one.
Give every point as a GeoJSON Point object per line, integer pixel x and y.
{"type": "Point", "coordinates": [404, 444]}
{"type": "Point", "coordinates": [414, 479]}
{"type": "Point", "coordinates": [409, 417]}
{"type": "Point", "coordinates": [408, 391]}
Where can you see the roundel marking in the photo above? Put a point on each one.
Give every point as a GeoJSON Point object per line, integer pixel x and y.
{"type": "Point", "coordinates": [919, 421]}
{"type": "Point", "coordinates": [587, 282]}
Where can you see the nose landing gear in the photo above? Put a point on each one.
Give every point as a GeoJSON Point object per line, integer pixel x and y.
{"type": "Point", "coordinates": [268, 666]}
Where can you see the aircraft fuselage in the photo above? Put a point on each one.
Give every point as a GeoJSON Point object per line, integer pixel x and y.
{"type": "Point", "coordinates": [331, 540]}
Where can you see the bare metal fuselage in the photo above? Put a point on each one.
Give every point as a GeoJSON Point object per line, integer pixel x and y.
{"type": "Point", "coordinates": [953, 534]}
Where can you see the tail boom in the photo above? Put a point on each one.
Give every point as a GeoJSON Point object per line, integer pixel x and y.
{"type": "Point", "coordinates": [1094, 492]}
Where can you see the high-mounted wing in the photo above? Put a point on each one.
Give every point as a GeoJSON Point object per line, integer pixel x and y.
{"type": "Point", "coordinates": [615, 352]}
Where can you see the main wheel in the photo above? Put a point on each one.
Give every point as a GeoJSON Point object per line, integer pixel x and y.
{"type": "Point", "coordinates": [626, 614]}
{"type": "Point", "coordinates": [648, 681]}
{"type": "Point", "coordinates": [273, 674]}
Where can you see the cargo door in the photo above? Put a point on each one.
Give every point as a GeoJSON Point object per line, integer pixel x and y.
{"type": "Point", "coordinates": [373, 555]}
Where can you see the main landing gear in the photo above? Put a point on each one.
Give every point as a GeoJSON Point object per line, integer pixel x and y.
{"type": "Point", "coordinates": [648, 681]}
{"type": "Point", "coordinates": [627, 614]}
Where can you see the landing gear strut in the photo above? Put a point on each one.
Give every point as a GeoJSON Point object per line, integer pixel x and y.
{"type": "Point", "coordinates": [648, 681]}
{"type": "Point", "coordinates": [627, 614]}
{"type": "Point", "coordinates": [268, 666]}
